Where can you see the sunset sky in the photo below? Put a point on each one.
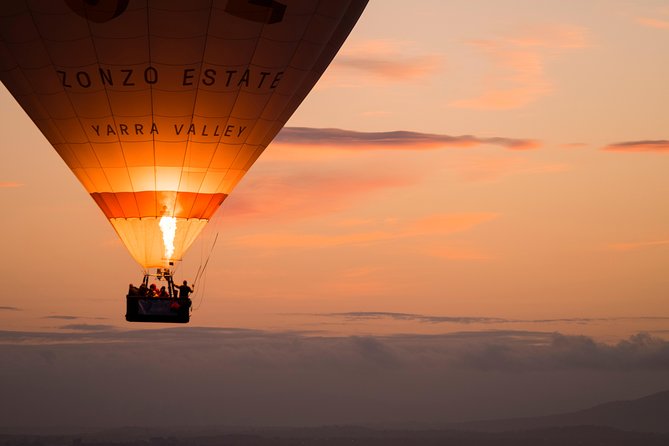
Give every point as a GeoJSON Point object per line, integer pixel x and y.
{"type": "Point", "coordinates": [466, 173]}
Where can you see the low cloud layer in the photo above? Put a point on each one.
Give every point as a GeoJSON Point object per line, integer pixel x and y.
{"type": "Point", "coordinates": [241, 348]}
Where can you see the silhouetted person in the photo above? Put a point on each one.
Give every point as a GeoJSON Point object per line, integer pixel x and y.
{"type": "Point", "coordinates": [153, 290]}
{"type": "Point", "coordinates": [133, 290]}
{"type": "Point", "coordinates": [143, 290]}
{"type": "Point", "coordinates": [184, 290]}
{"type": "Point", "coordinates": [163, 292]}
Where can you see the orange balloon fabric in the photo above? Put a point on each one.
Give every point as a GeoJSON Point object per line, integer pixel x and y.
{"type": "Point", "coordinates": [161, 107]}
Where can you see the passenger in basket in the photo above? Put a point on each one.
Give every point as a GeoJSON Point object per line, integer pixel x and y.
{"type": "Point", "coordinates": [163, 293]}
{"type": "Point", "coordinates": [143, 290]}
{"type": "Point", "coordinates": [184, 290]}
{"type": "Point", "coordinates": [153, 290]}
{"type": "Point", "coordinates": [133, 290]}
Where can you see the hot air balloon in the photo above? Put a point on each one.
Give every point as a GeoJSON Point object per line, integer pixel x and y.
{"type": "Point", "coordinates": [160, 107]}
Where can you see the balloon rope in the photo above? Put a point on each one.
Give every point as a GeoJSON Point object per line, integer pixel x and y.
{"type": "Point", "coordinates": [201, 271]}
{"type": "Point", "coordinates": [202, 293]}
{"type": "Point", "coordinates": [198, 272]}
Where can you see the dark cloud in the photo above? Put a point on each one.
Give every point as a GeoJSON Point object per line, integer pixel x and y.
{"type": "Point", "coordinates": [398, 140]}
{"type": "Point", "coordinates": [659, 145]}
{"type": "Point", "coordinates": [238, 376]}
{"type": "Point", "coordinates": [63, 317]}
{"type": "Point", "coordinates": [375, 351]}
{"type": "Point", "coordinates": [9, 309]}
{"type": "Point", "coordinates": [560, 352]}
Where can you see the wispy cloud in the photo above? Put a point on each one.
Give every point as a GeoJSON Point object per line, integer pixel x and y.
{"type": "Point", "coordinates": [658, 145]}
{"type": "Point", "coordinates": [387, 60]}
{"type": "Point", "coordinates": [392, 140]}
{"type": "Point", "coordinates": [62, 317]}
{"type": "Point", "coordinates": [6, 308]}
{"type": "Point", "coordinates": [518, 66]}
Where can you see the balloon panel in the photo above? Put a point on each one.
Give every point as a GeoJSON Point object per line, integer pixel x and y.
{"type": "Point", "coordinates": [160, 107]}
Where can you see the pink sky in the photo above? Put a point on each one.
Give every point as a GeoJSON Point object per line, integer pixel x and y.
{"type": "Point", "coordinates": [470, 204]}
{"type": "Point", "coordinates": [508, 165]}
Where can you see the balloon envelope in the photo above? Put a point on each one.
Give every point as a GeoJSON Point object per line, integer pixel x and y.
{"type": "Point", "coordinates": [161, 107]}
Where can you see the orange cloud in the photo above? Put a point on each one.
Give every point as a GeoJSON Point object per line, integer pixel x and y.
{"type": "Point", "coordinates": [448, 223]}
{"type": "Point", "coordinates": [637, 245]}
{"type": "Point", "coordinates": [555, 36]}
{"type": "Point", "coordinates": [660, 145]}
{"type": "Point", "coordinates": [518, 77]}
{"type": "Point", "coordinates": [438, 224]}
{"type": "Point", "coordinates": [391, 140]}
{"type": "Point", "coordinates": [457, 253]}
{"type": "Point", "coordinates": [300, 195]}
{"type": "Point", "coordinates": [9, 184]}
{"type": "Point", "coordinates": [492, 168]}
{"type": "Point", "coordinates": [653, 23]}
{"type": "Point", "coordinates": [389, 60]}
{"type": "Point", "coordinates": [310, 240]}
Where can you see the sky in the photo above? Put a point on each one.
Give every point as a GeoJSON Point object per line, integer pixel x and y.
{"type": "Point", "coordinates": [469, 206]}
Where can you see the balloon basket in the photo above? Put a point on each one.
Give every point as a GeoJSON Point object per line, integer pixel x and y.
{"type": "Point", "coordinates": [157, 309]}
{"type": "Point", "coordinates": [143, 306]}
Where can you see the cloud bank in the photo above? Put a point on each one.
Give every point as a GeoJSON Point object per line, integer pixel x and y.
{"type": "Point", "coordinates": [237, 376]}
